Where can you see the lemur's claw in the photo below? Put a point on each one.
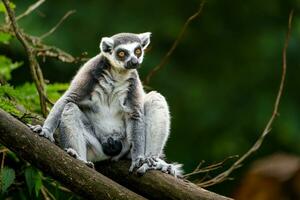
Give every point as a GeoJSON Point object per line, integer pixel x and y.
{"type": "Point", "coordinates": [136, 163]}
{"type": "Point", "coordinates": [90, 164]}
{"type": "Point", "coordinates": [41, 131]}
{"type": "Point", "coordinates": [142, 170]}
{"type": "Point", "coordinates": [35, 128]}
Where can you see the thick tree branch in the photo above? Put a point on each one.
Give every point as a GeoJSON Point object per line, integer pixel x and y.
{"type": "Point", "coordinates": [86, 182]}
{"type": "Point", "coordinates": [52, 160]}
{"type": "Point", "coordinates": [155, 184]}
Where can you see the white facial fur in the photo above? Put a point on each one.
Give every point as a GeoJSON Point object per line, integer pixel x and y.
{"type": "Point", "coordinates": [130, 47]}
{"type": "Point", "coordinates": [108, 42]}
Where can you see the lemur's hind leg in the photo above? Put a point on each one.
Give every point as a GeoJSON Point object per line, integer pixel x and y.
{"type": "Point", "coordinates": [72, 132]}
{"type": "Point", "coordinates": [157, 123]}
{"type": "Point", "coordinates": [157, 128]}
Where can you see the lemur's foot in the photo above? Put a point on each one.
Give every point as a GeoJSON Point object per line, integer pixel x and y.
{"type": "Point", "coordinates": [137, 163]}
{"type": "Point", "coordinates": [90, 164]}
{"type": "Point", "coordinates": [74, 154]}
{"type": "Point", "coordinates": [42, 131]}
{"type": "Point", "coordinates": [159, 164]}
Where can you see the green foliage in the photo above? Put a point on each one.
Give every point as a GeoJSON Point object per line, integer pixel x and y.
{"type": "Point", "coordinates": [5, 38]}
{"type": "Point", "coordinates": [25, 97]}
{"type": "Point", "coordinates": [2, 7]}
{"type": "Point", "coordinates": [7, 66]}
{"type": "Point", "coordinates": [7, 178]}
{"type": "Point", "coordinates": [7, 100]}
{"type": "Point", "coordinates": [33, 180]}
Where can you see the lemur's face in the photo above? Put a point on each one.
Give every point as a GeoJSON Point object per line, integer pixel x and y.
{"type": "Point", "coordinates": [125, 50]}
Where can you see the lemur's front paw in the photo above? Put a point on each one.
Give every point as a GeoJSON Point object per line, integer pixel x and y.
{"type": "Point", "coordinates": [136, 163]}
{"type": "Point", "coordinates": [47, 134]}
{"type": "Point", "coordinates": [35, 128]}
{"type": "Point", "coordinates": [90, 164]}
{"type": "Point", "coordinates": [42, 131]}
{"type": "Point", "coordinates": [144, 164]}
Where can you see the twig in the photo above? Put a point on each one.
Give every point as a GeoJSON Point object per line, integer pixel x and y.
{"type": "Point", "coordinates": [3, 159]}
{"type": "Point", "coordinates": [225, 175]}
{"type": "Point", "coordinates": [4, 150]}
{"type": "Point", "coordinates": [209, 168]}
{"type": "Point", "coordinates": [58, 24]}
{"type": "Point", "coordinates": [33, 63]}
{"type": "Point", "coordinates": [175, 44]}
{"type": "Point", "coordinates": [43, 50]}
{"type": "Point", "coordinates": [45, 195]}
{"type": "Point", "coordinates": [49, 193]}
{"type": "Point", "coordinates": [30, 9]}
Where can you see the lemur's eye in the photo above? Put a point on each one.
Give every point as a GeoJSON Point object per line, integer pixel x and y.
{"type": "Point", "coordinates": [121, 54]}
{"type": "Point", "coordinates": [138, 51]}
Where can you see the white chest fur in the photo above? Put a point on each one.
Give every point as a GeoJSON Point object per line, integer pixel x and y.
{"type": "Point", "coordinates": [108, 111]}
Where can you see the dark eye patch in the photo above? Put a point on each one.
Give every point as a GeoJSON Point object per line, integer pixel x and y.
{"type": "Point", "coordinates": [138, 51]}
{"type": "Point", "coordinates": [119, 52]}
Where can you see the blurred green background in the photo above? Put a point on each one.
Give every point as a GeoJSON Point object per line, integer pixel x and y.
{"type": "Point", "coordinates": [221, 81]}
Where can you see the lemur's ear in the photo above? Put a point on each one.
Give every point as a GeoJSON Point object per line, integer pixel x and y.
{"type": "Point", "coordinates": [145, 38]}
{"type": "Point", "coordinates": [106, 44]}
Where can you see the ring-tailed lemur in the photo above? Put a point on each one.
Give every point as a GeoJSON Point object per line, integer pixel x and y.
{"type": "Point", "coordinates": [105, 113]}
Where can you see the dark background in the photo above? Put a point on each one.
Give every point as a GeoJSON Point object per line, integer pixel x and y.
{"type": "Point", "coordinates": [221, 81]}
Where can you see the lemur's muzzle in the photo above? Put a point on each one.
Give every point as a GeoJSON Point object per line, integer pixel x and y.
{"type": "Point", "coordinates": [133, 63]}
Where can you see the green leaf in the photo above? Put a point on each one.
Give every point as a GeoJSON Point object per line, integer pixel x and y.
{"type": "Point", "coordinates": [3, 9]}
{"type": "Point", "coordinates": [7, 66]}
{"type": "Point", "coordinates": [33, 180]}
{"type": "Point", "coordinates": [5, 38]}
{"type": "Point", "coordinates": [7, 178]}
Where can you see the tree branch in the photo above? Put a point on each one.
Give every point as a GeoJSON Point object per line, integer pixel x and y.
{"type": "Point", "coordinates": [54, 161]}
{"type": "Point", "coordinates": [86, 182]}
{"type": "Point", "coordinates": [58, 24]}
{"type": "Point", "coordinates": [155, 184]}
{"type": "Point", "coordinates": [30, 9]}
{"type": "Point", "coordinates": [35, 69]}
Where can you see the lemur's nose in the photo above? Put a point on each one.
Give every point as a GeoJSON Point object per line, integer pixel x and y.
{"type": "Point", "coordinates": [132, 63]}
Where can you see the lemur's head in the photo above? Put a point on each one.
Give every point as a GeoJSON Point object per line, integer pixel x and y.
{"type": "Point", "coordinates": [125, 50]}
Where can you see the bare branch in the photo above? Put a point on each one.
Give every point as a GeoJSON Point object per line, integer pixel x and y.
{"type": "Point", "coordinates": [33, 63]}
{"type": "Point", "coordinates": [209, 168]}
{"type": "Point", "coordinates": [43, 50]}
{"type": "Point", "coordinates": [225, 175]}
{"type": "Point", "coordinates": [3, 159]}
{"type": "Point", "coordinates": [58, 24]}
{"type": "Point", "coordinates": [175, 44]}
{"type": "Point", "coordinates": [30, 9]}
{"type": "Point", "coordinates": [44, 193]}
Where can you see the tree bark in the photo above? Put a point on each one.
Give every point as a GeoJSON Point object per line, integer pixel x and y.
{"type": "Point", "coordinates": [83, 180]}
{"type": "Point", "coordinates": [155, 184]}
{"type": "Point", "coordinates": [52, 160]}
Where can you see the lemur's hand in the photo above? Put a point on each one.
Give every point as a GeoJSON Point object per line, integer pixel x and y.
{"type": "Point", "coordinates": [42, 132]}
{"type": "Point", "coordinates": [137, 162]}
{"type": "Point", "coordinates": [143, 163]}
